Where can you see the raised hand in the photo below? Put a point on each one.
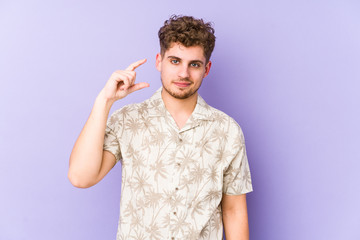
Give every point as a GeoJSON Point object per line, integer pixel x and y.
{"type": "Point", "coordinates": [122, 82]}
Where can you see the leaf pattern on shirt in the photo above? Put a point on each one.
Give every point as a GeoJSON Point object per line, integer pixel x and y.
{"type": "Point", "coordinates": [140, 181]}
{"type": "Point", "coordinates": [154, 231]}
{"type": "Point", "coordinates": [152, 199]}
{"type": "Point", "coordinates": [159, 168]}
{"type": "Point", "coordinates": [173, 179]}
{"type": "Point", "coordinates": [137, 235]}
{"type": "Point", "coordinates": [157, 137]}
{"type": "Point", "coordinates": [133, 126]}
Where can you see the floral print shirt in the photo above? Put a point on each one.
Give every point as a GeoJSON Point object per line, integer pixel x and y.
{"type": "Point", "coordinates": [173, 180]}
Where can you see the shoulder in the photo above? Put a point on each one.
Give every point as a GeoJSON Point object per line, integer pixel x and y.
{"type": "Point", "coordinates": [223, 118]}
{"type": "Point", "coordinates": [227, 123]}
{"type": "Point", "coordinates": [133, 110]}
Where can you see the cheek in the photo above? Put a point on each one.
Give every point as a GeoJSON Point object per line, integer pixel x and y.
{"type": "Point", "coordinates": [165, 75]}
{"type": "Point", "coordinates": [199, 75]}
{"type": "Point", "coordinates": [170, 72]}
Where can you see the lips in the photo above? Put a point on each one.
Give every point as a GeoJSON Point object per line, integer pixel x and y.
{"type": "Point", "coordinates": [182, 84]}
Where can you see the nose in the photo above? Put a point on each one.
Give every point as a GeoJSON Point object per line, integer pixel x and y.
{"type": "Point", "coordinates": [183, 72]}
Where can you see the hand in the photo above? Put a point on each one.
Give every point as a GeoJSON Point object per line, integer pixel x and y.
{"type": "Point", "coordinates": [122, 82]}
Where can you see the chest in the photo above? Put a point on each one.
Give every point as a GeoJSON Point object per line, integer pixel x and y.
{"type": "Point", "coordinates": [157, 143]}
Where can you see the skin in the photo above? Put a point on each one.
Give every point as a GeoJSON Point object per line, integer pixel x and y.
{"type": "Point", "coordinates": [182, 71]}
{"type": "Point", "coordinates": [88, 162]}
{"type": "Point", "coordinates": [235, 217]}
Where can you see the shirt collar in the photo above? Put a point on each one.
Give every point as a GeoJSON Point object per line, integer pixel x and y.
{"type": "Point", "coordinates": [157, 108]}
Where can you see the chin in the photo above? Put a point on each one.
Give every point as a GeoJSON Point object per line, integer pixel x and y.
{"type": "Point", "coordinates": [183, 96]}
{"type": "Point", "coordinates": [178, 94]}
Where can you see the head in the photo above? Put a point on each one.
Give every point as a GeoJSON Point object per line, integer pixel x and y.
{"type": "Point", "coordinates": [189, 32]}
{"type": "Point", "coordinates": [186, 45]}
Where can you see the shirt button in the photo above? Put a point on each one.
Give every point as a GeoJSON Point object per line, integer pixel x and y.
{"type": "Point", "coordinates": [172, 238]}
{"type": "Point", "coordinates": [178, 164]}
{"type": "Point", "coordinates": [176, 189]}
{"type": "Point", "coordinates": [180, 140]}
{"type": "Point", "coordinates": [174, 213]}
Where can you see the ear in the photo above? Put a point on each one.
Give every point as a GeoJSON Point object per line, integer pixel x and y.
{"type": "Point", "coordinates": [207, 68]}
{"type": "Point", "coordinates": [158, 62]}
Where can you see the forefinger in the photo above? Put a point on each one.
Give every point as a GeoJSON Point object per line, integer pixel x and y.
{"type": "Point", "coordinates": [134, 65]}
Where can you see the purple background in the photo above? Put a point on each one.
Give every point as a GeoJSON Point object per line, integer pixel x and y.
{"type": "Point", "coordinates": [287, 72]}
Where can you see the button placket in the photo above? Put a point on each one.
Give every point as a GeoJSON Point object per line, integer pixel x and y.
{"type": "Point", "coordinates": [175, 182]}
{"type": "Point", "coordinates": [178, 164]}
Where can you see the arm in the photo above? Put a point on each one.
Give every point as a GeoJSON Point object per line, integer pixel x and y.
{"type": "Point", "coordinates": [235, 218]}
{"type": "Point", "coordinates": [89, 163]}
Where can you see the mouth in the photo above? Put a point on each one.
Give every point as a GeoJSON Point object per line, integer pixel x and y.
{"type": "Point", "coordinates": [182, 84]}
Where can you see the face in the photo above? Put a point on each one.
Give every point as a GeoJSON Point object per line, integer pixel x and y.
{"type": "Point", "coordinates": [182, 70]}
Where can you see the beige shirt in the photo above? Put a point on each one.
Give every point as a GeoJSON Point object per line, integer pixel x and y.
{"type": "Point", "coordinates": [173, 180]}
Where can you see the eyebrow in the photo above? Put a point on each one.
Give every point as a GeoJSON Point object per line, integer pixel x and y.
{"type": "Point", "coordinates": [192, 61]}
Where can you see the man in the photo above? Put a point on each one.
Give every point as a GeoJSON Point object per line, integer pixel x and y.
{"type": "Point", "coordinates": [185, 173]}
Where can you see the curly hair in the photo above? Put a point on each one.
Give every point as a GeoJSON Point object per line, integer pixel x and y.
{"type": "Point", "coordinates": [187, 31]}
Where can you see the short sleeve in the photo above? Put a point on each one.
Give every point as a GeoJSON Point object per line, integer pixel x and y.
{"type": "Point", "coordinates": [111, 141]}
{"type": "Point", "coordinates": [237, 178]}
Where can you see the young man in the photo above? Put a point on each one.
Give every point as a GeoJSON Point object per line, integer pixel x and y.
{"type": "Point", "coordinates": [185, 173]}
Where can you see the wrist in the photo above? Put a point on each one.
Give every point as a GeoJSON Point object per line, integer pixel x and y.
{"type": "Point", "coordinates": [104, 100]}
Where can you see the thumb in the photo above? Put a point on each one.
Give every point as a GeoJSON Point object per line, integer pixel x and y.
{"type": "Point", "coordinates": [138, 86]}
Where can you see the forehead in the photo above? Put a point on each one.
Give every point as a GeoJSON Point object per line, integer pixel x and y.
{"type": "Point", "coordinates": [186, 53]}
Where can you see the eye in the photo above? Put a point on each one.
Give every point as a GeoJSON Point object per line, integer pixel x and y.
{"type": "Point", "coordinates": [195, 65]}
{"type": "Point", "coordinates": [174, 61]}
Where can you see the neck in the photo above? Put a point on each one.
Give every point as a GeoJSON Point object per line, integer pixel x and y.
{"type": "Point", "coordinates": [177, 106]}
